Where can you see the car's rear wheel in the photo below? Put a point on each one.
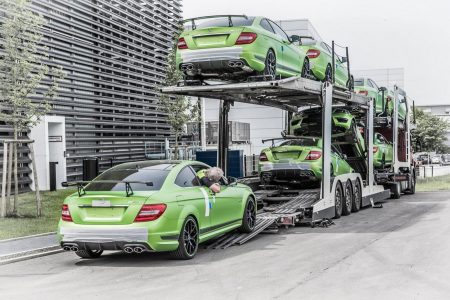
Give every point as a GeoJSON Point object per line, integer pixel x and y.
{"type": "Point", "coordinates": [328, 74]}
{"type": "Point", "coordinates": [271, 64]}
{"type": "Point", "coordinates": [357, 197]}
{"type": "Point", "coordinates": [348, 199]}
{"type": "Point", "coordinates": [249, 217]}
{"type": "Point", "coordinates": [338, 201]}
{"type": "Point", "coordinates": [188, 240]}
{"type": "Point", "coordinates": [88, 253]}
{"type": "Point", "coordinates": [306, 71]}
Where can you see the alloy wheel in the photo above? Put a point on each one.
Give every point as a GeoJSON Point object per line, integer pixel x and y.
{"type": "Point", "coordinates": [250, 214]}
{"type": "Point", "coordinates": [271, 64]}
{"type": "Point", "coordinates": [190, 237]}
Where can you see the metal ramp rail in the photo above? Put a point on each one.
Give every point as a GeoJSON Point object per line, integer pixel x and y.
{"type": "Point", "coordinates": [271, 217]}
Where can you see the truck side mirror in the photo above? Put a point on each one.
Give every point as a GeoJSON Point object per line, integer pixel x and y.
{"type": "Point", "coordinates": [294, 38]}
{"type": "Point", "coordinates": [382, 89]}
{"type": "Point", "coordinates": [344, 60]}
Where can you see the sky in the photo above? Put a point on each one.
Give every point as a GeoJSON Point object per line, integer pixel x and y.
{"type": "Point", "coordinates": [409, 34]}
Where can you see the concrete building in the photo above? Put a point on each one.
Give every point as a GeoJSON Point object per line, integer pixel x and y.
{"type": "Point", "coordinates": [114, 54]}
{"type": "Point", "coordinates": [442, 111]}
{"type": "Point", "coordinates": [265, 122]}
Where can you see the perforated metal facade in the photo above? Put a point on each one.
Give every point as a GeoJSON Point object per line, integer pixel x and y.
{"type": "Point", "coordinates": [114, 53]}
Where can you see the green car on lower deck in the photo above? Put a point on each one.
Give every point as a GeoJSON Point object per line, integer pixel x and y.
{"type": "Point", "coordinates": [235, 47]}
{"type": "Point", "coordinates": [298, 160]}
{"type": "Point", "coordinates": [152, 206]}
{"type": "Point", "coordinates": [382, 151]}
{"type": "Point", "coordinates": [320, 63]}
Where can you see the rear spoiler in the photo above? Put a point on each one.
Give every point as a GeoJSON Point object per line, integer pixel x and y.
{"type": "Point", "coordinates": [81, 191]}
{"type": "Point", "coordinates": [230, 21]}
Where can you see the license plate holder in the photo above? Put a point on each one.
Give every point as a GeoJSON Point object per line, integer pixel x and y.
{"type": "Point", "coordinates": [101, 203]}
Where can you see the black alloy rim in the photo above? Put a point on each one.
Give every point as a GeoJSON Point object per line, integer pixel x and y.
{"type": "Point", "coordinates": [190, 236]}
{"type": "Point", "coordinates": [271, 64]}
{"type": "Point", "coordinates": [250, 214]}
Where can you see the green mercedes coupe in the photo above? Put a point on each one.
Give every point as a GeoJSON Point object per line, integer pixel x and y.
{"type": "Point", "coordinates": [321, 61]}
{"type": "Point", "coordinates": [230, 47]}
{"type": "Point", "coordinates": [152, 206]}
{"type": "Point", "coordinates": [382, 152]}
{"type": "Point", "coordinates": [298, 160]}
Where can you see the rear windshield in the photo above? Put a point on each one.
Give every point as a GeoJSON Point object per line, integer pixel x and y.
{"type": "Point", "coordinates": [300, 142]}
{"type": "Point", "coordinates": [221, 22]}
{"type": "Point", "coordinates": [359, 82]}
{"type": "Point", "coordinates": [153, 179]}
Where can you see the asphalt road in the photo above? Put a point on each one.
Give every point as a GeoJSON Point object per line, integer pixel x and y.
{"type": "Point", "coordinates": [401, 251]}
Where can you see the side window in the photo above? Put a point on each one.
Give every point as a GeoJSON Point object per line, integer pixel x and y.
{"type": "Point", "coordinates": [265, 24]}
{"type": "Point", "coordinates": [186, 178]}
{"type": "Point", "coordinates": [279, 31]}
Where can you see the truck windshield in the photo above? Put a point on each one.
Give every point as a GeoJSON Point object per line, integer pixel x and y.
{"type": "Point", "coordinates": [152, 180]}
{"type": "Point", "coordinates": [221, 22]}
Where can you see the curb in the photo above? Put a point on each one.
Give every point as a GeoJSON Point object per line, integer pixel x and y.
{"type": "Point", "coordinates": [29, 254]}
{"type": "Point", "coordinates": [27, 237]}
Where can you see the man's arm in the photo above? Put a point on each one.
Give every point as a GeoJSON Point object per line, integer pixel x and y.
{"type": "Point", "coordinates": [214, 187]}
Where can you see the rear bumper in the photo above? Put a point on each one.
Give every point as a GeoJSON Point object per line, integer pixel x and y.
{"type": "Point", "coordinates": [116, 237]}
{"type": "Point", "coordinates": [288, 172]}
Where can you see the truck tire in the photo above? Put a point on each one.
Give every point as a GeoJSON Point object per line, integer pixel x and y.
{"type": "Point", "coordinates": [357, 197]}
{"type": "Point", "coordinates": [338, 199]}
{"type": "Point", "coordinates": [348, 199]}
{"type": "Point", "coordinates": [396, 190]}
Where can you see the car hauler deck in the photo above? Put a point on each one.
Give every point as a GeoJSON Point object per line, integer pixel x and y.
{"type": "Point", "coordinates": [287, 206]}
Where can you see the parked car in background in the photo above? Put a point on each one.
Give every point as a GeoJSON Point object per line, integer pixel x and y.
{"type": "Point", "coordinates": [152, 206]}
{"type": "Point", "coordinates": [437, 159]}
{"type": "Point", "coordinates": [320, 62]}
{"type": "Point", "coordinates": [232, 47]}
{"type": "Point", "coordinates": [298, 160]}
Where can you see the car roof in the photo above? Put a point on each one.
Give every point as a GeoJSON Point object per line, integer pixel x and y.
{"type": "Point", "coordinates": [155, 164]}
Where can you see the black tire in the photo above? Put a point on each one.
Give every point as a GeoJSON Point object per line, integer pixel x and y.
{"type": "Point", "coordinates": [88, 253]}
{"type": "Point", "coordinates": [270, 68]}
{"type": "Point", "coordinates": [338, 199]}
{"type": "Point", "coordinates": [306, 71]}
{"type": "Point", "coordinates": [412, 185]}
{"type": "Point", "coordinates": [328, 74]}
{"type": "Point", "coordinates": [396, 191]}
{"type": "Point", "coordinates": [249, 217]}
{"type": "Point", "coordinates": [348, 199]}
{"type": "Point", "coordinates": [357, 197]}
{"type": "Point", "coordinates": [188, 240]}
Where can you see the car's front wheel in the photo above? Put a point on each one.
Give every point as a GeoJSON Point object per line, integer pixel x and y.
{"type": "Point", "coordinates": [188, 240]}
{"type": "Point", "coordinates": [249, 217]}
{"type": "Point", "coordinates": [88, 253]}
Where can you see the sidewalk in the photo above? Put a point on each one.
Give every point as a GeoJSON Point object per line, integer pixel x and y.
{"type": "Point", "coordinates": [28, 247]}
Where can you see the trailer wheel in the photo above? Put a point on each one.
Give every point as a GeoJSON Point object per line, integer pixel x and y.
{"type": "Point", "coordinates": [357, 197]}
{"type": "Point", "coordinates": [338, 201]}
{"type": "Point", "coordinates": [348, 199]}
{"type": "Point", "coordinates": [396, 190]}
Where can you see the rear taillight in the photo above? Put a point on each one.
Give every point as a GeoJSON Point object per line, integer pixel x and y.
{"type": "Point", "coordinates": [313, 155]}
{"type": "Point", "coordinates": [263, 157]}
{"type": "Point", "coordinates": [65, 213]}
{"type": "Point", "coordinates": [375, 149]}
{"type": "Point", "coordinates": [150, 212]}
{"type": "Point", "coordinates": [363, 92]}
{"type": "Point", "coordinates": [313, 53]}
{"type": "Point", "coordinates": [182, 44]}
{"type": "Point", "coordinates": [246, 38]}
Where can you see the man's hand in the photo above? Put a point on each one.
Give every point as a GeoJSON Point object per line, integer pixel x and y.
{"type": "Point", "coordinates": [215, 188]}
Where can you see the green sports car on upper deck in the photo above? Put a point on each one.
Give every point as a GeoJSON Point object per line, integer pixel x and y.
{"type": "Point", "coordinates": [152, 206]}
{"type": "Point", "coordinates": [320, 63]}
{"type": "Point", "coordinates": [235, 47]}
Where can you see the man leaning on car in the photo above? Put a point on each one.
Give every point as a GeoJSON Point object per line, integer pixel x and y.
{"type": "Point", "coordinates": [210, 178]}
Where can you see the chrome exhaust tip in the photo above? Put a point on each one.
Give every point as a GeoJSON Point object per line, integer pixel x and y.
{"type": "Point", "coordinates": [67, 248]}
{"type": "Point", "coordinates": [239, 64]}
{"type": "Point", "coordinates": [138, 250]}
{"type": "Point", "coordinates": [74, 248]}
{"type": "Point", "coordinates": [231, 64]}
{"type": "Point", "coordinates": [190, 67]}
{"type": "Point", "coordinates": [128, 250]}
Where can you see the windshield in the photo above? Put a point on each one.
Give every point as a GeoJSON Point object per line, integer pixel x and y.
{"type": "Point", "coordinates": [300, 142]}
{"type": "Point", "coordinates": [152, 180]}
{"type": "Point", "coordinates": [221, 22]}
{"type": "Point", "coordinates": [359, 82]}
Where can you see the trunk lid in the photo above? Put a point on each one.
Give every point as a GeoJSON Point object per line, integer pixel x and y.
{"type": "Point", "coordinates": [112, 208]}
{"type": "Point", "coordinates": [287, 152]}
{"type": "Point", "coordinates": [213, 37]}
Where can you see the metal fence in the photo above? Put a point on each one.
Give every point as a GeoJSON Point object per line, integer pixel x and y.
{"type": "Point", "coordinates": [433, 171]}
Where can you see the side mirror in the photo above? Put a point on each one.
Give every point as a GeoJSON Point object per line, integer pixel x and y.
{"type": "Point", "coordinates": [283, 134]}
{"type": "Point", "coordinates": [294, 38]}
{"type": "Point", "coordinates": [231, 180]}
{"type": "Point", "coordinates": [344, 60]}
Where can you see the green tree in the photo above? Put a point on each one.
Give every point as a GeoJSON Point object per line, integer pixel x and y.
{"type": "Point", "coordinates": [23, 69]}
{"type": "Point", "coordinates": [430, 134]}
{"type": "Point", "coordinates": [179, 109]}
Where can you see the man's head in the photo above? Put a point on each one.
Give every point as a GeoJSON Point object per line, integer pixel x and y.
{"type": "Point", "coordinates": [214, 174]}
